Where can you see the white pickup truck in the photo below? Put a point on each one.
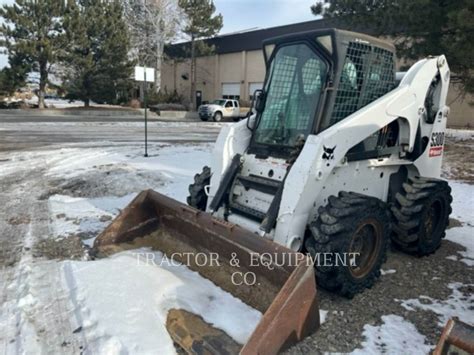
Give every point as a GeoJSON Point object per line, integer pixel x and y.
{"type": "Point", "coordinates": [219, 109]}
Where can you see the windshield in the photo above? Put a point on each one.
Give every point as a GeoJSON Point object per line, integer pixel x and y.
{"type": "Point", "coordinates": [292, 92]}
{"type": "Point", "coordinates": [218, 102]}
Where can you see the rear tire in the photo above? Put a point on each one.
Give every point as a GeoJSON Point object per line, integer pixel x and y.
{"type": "Point", "coordinates": [421, 214]}
{"type": "Point", "coordinates": [197, 195]}
{"type": "Point", "coordinates": [217, 116]}
{"type": "Point", "coordinates": [350, 223]}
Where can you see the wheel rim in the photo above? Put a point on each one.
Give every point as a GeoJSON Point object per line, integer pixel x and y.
{"type": "Point", "coordinates": [218, 117]}
{"type": "Point", "coordinates": [365, 241]}
{"type": "Point", "coordinates": [433, 221]}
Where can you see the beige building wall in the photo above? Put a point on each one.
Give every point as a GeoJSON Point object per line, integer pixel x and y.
{"type": "Point", "coordinates": [248, 67]}
{"type": "Point", "coordinates": [240, 68]}
{"type": "Point", "coordinates": [176, 76]}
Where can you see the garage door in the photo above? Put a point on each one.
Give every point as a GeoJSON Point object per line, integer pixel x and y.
{"type": "Point", "coordinates": [231, 91]}
{"type": "Point", "coordinates": [253, 87]}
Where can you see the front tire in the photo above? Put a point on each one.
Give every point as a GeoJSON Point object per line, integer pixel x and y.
{"type": "Point", "coordinates": [197, 195]}
{"type": "Point", "coordinates": [217, 116]}
{"type": "Point", "coordinates": [349, 223]}
{"type": "Point", "coordinates": [421, 214]}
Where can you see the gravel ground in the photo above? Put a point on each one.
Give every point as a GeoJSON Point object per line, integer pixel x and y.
{"type": "Point", "coordinates": [24, 208]}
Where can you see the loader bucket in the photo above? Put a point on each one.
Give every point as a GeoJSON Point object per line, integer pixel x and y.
{"type": "Point", "coordinates": [457, 338]}
{"type": "Point", "coordinates": [285, 287]}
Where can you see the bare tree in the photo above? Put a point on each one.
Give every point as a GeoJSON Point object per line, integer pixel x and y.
{"type": "Point", "coordinates": [152, 23]}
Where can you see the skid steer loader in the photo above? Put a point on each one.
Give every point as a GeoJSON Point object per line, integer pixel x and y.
{"type": "Point", "coordinates": [335, 161]}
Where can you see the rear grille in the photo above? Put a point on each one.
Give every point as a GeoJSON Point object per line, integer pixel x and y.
{"type": "Point", "coordinates": [368, 74]}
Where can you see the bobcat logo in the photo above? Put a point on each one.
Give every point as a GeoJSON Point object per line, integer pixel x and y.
{"type": "Point", "coordinates": [328, 153]}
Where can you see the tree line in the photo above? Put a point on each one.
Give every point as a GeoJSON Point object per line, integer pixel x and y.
{"type": "Point", "coordinates": [93, 45]}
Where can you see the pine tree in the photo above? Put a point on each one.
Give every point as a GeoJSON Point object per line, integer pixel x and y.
{"type": "Point", "coordinates": [32, 32]}
{"type": "Point", "coordinates": [14, 77]}
{"type": "Point", "coordinates": [99, 68]}
{"type": "Point", "coordinates": [201, 24]}
{"type": "Point", "coordinates": [420, 27]}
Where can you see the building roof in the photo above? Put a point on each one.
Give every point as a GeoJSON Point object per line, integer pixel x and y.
{"type": "Point", "coordinates": [252, 40]}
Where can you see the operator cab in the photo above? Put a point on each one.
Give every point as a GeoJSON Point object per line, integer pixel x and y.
{"type": "Point", "coordinates": [314, 80]}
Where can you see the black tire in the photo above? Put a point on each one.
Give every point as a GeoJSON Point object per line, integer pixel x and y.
{"type": "Point", "coordinates": [343, 223]}
{"type": "Point", "coordinates": [217, 116]}
{"type": "Point", "coordinates": [203, 118]}
{"type": "Point", "coordinates": [236, 119]}
{"type": "Point", "coordinates": [197, 196]}
{"type": "Point", "coordinates": [421, 214]}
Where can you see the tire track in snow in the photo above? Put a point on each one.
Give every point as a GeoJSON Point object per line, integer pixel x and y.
{"type": "Point", "coordinates": [34, 309]}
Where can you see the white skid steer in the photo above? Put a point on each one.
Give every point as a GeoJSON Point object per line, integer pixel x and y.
{"type": "Point", "coordinates": [336, 161]}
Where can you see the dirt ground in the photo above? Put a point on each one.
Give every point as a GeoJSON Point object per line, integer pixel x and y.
{"type": "Point", "coordinates": [25, 217]}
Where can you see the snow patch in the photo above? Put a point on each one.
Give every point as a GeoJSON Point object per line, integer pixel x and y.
{"type": "Point", "coordinates": [463, 200]}
{"type": "Point", "coordinates": [456, 305]}
{"type": "Point", "coordinates": [72, 215]}
{"type": "Point", "coordinates": [174, 166]}
{"type": "Point", "coordinates": [387, 272]}
{"type": "Point", "coordinates": [461, 134]}
{"type": "Point", "coordinates": [395, 336]}
{"type": "Point", "coordinates": [463, 236]}
{"type": "Point", "coordinates": [130, 298]}
{"type": "Point", "coordinates": [323, 315]}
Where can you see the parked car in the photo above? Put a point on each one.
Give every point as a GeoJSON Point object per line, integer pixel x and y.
{"type": "Point", "coordinates": [219, 109]}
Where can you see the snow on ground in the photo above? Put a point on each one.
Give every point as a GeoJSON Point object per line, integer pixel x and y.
{"type": "Point", "coordinates": [395, 336]}
{"type": "Point", "coordinates": [456, 305]}
{"type": "Point", "coordinates": [100, 181]}
{"type": "Point", "coordinates": [176, 165]}
{"type": "Point", "coordinates": [463, 202]}
{"type": "Point", "coordinates": [62, 103]}
{"type": "Point", "coordinates": [84, 216]}
{"type": "Point", "coordinates": [464, 236]}
{"type": "Point", "coordinates": [323, 315]}
{"type": "Point", "coordinates": [144, 292]}
{"type": "Point", "coordinates": [462, 134]}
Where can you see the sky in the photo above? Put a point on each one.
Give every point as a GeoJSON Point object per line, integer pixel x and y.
{"type": "Point", "coordinates": [249, 14]}
{"type": "Point", "coordinates": [245, 14]}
